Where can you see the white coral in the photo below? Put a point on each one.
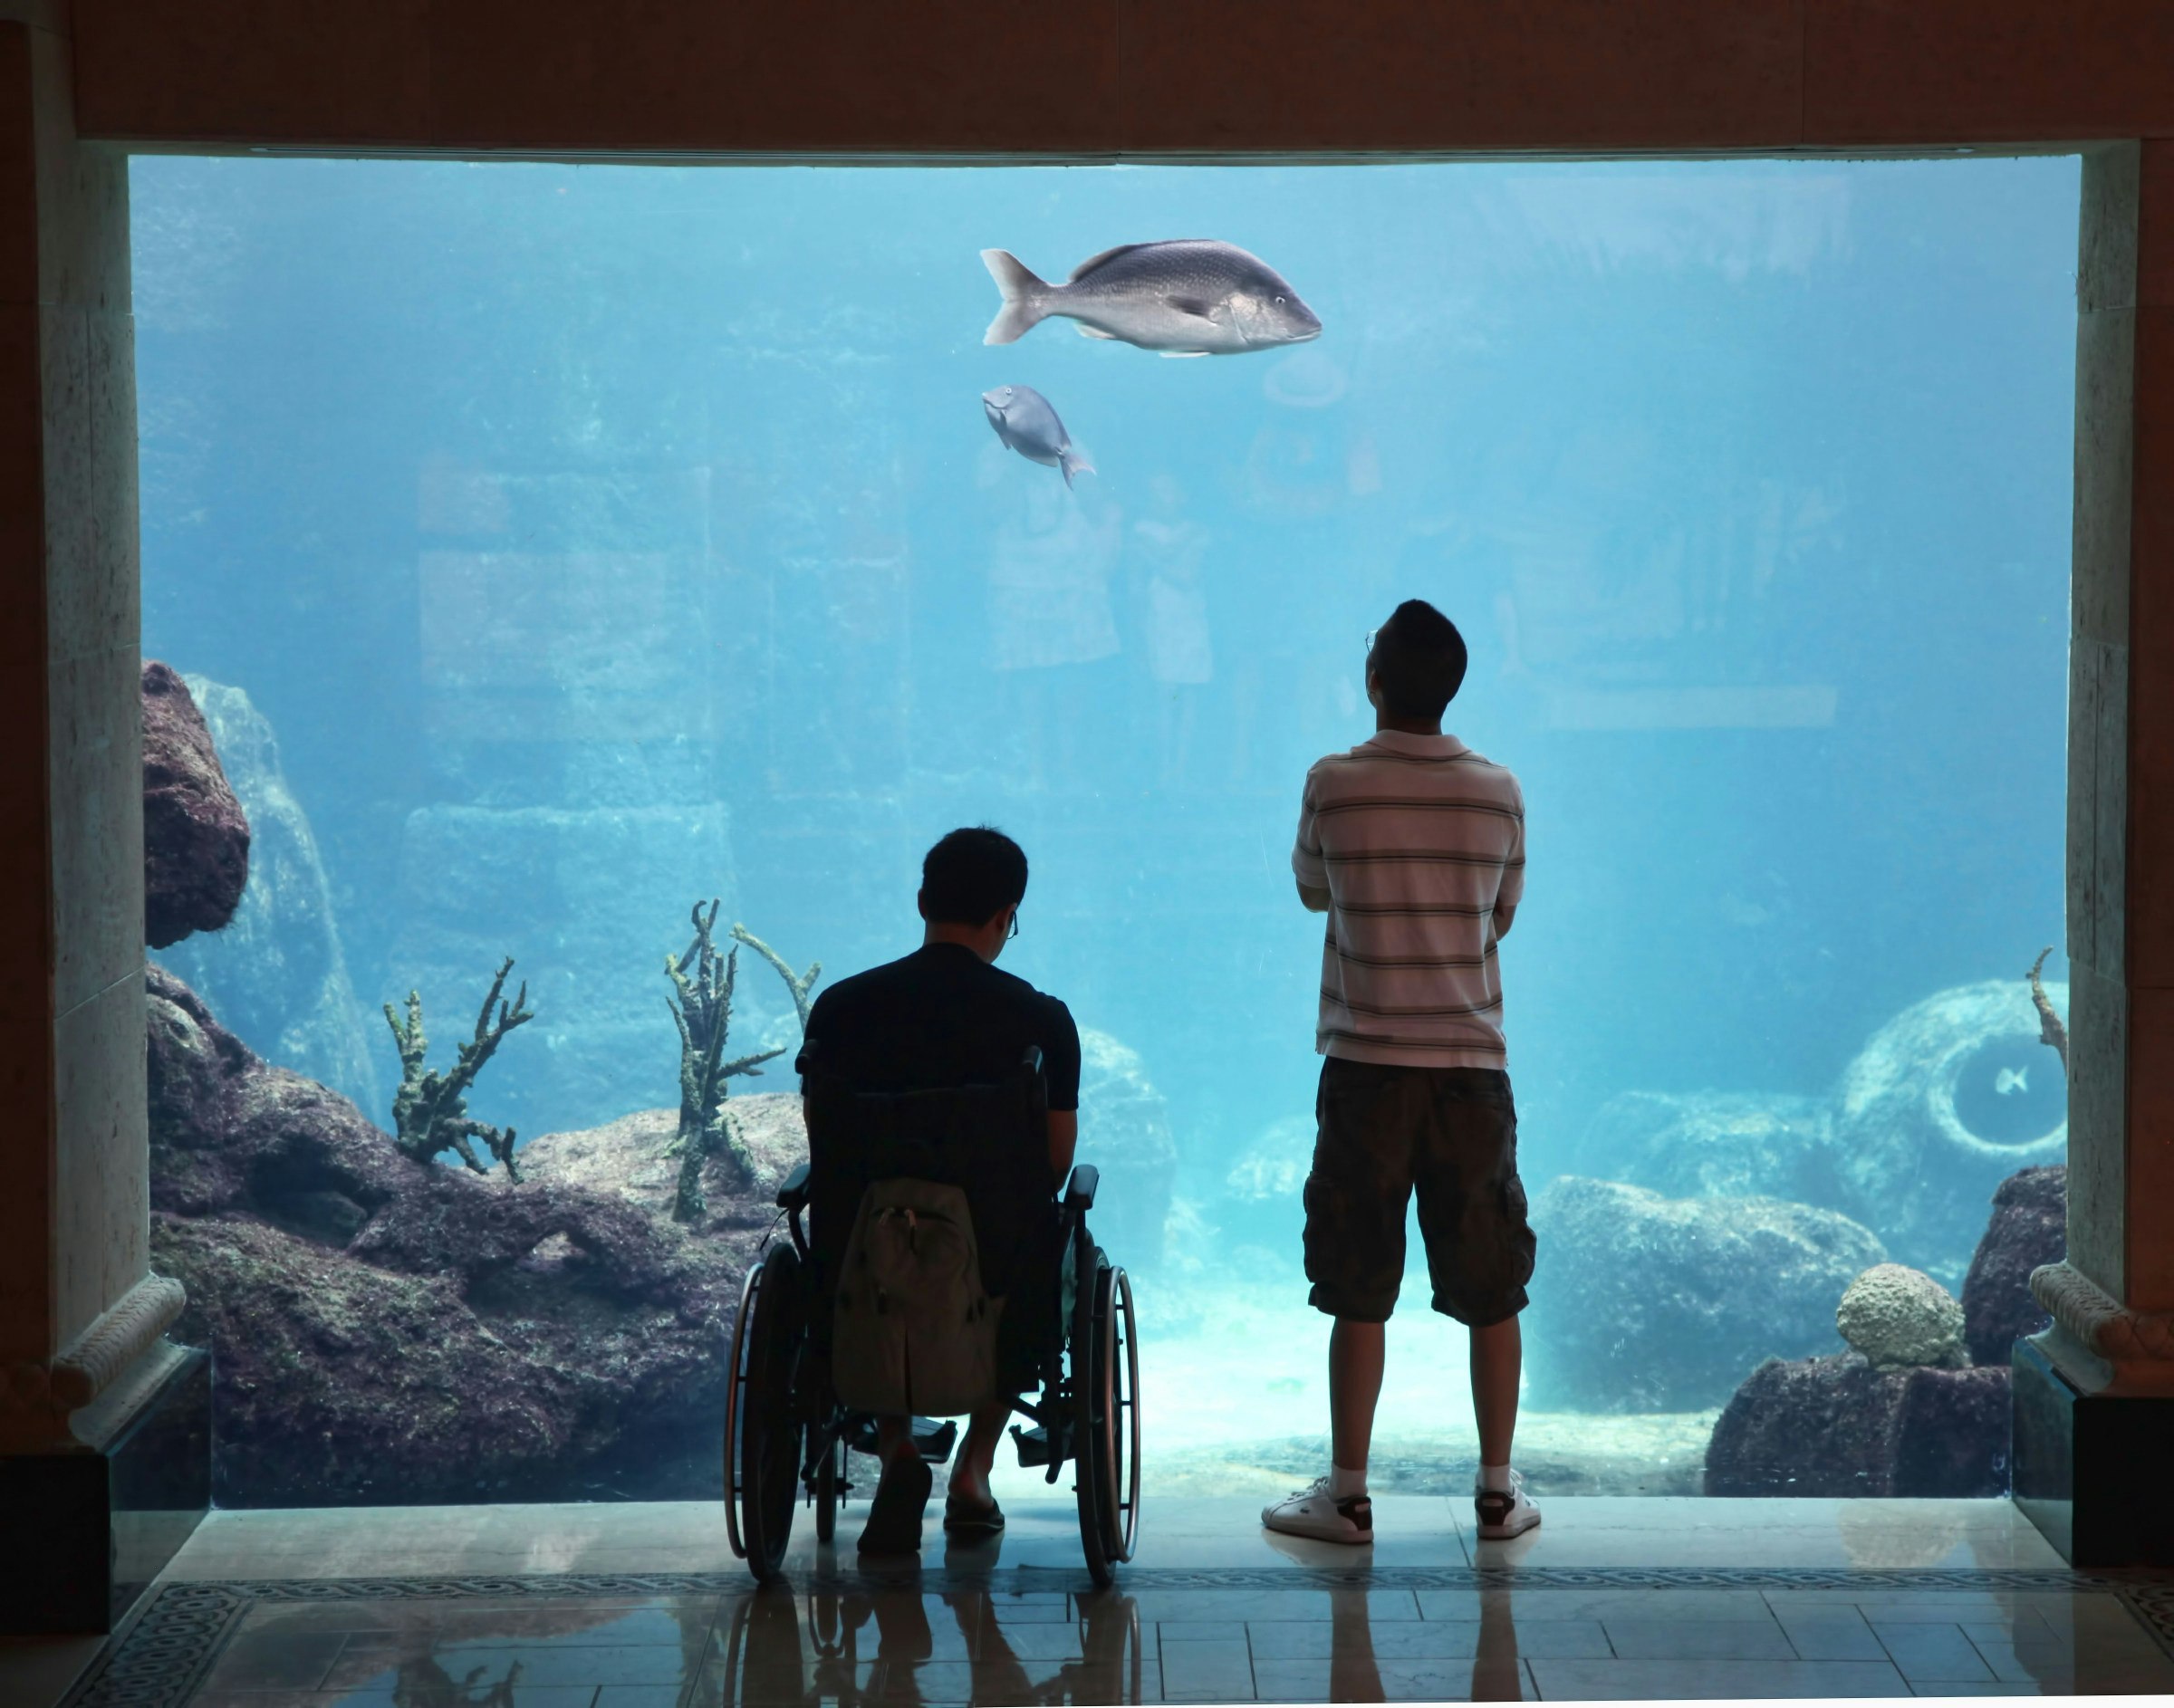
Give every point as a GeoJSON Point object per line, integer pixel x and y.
{"type": "Point", "coordinates": [1898, 1316]}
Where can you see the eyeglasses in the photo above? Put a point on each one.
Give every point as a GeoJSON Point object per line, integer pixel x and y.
{"type": "Point", "coordinates": [1015, 930]}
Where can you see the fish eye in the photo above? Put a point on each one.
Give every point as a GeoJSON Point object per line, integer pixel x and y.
{"type": "Point", "coordinates": [1279, 301]}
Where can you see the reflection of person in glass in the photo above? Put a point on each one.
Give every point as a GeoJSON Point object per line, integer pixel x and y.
{"type": "Point", "coordinates": [1051, 620]}
{"type": "Point", "coordinates": [1413, 846]}
{"type": "Point", "coordinates": [1181, 660]}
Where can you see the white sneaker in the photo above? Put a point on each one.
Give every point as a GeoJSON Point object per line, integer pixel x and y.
{"type": "Point", "coordinates": [1313, 1511]}
{"type": "Point", "coordinates": [1503, 1512]}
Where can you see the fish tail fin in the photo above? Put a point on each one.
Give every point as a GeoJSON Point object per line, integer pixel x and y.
{"type": "Point", "coordinates": [1070, 463]}
{"type": "Point", "coordinates": [1023, 297]}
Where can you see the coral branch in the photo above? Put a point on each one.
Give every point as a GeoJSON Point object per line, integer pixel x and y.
{"type": "Point", "coordinates": [799, 983]}
{"type": "Point", "coordinates": [702, 1012]}
{"type": "Point", "coordinates": [430, 1111]}
{"type": "Point", "coordinates": [2050, 1029]}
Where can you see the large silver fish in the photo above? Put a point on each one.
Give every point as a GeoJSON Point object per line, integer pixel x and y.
{"type": "Point", "coordinates": [1192, 296]}
{"type": "Point", "coordinates": [1025, 421]}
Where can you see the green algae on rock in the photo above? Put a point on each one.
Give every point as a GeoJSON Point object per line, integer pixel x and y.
{"type": "Point", "coordinates": [430, 1111]}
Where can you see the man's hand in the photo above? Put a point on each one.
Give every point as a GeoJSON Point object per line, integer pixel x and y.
{"type": "Point", "coordinates": [1315, 900]}
{"type": "Point", "coordinates": [1064, 1139]}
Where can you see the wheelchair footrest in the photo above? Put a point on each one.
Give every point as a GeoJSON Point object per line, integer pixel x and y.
{"type": "Point", "coordinates": [1035, 1448]}
{"type": "Point", "coordinates": [932, 1440]}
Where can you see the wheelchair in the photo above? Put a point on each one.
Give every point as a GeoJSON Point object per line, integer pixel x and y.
{"type": "Point", "coordinates": [1069, 1311]}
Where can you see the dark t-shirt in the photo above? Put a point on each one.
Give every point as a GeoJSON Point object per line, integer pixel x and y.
{"type": "Point", "coordinates": [942, 1016]}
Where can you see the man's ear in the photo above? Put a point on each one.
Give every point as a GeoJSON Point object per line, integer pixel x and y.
{"type": "Point", "coordinates": [920, 903]}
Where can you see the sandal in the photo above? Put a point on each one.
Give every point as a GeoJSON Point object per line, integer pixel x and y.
{"type": "Point", "coordinates": [963, 1518]}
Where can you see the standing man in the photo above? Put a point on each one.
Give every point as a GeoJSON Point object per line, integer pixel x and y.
{"type": "Point", "coordinates": [1414, 847]}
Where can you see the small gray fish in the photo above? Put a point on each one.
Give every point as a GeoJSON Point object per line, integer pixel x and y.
{"type": "Point", "coordinates": [1027, 425]}
{"type": "Point", "coordinates": [1191, 296]}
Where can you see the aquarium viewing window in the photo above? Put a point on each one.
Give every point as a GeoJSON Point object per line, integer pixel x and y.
{"type": "Point", "coordinates": [573, 564]}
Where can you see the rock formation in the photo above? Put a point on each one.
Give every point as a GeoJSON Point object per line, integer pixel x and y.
{"type": "Point", "coordinates": [1838, 1426]}
{"type": "Point", "coordinates": [2029, 1228]}
{"type": "Point", "coordinates": [196, 835]}
{"type": "Point", "coordinates": [277, 975]}
{"type": "Point", "coordinates": [388, 1331]}
{"type": "Point", "coordinates": [1662, 1304]}
{"type": "Point", "coordinates": [1275, 1166]}
{"type": "Point", "coordinates": [1717, 1143]}
{"type": "Point", "coordinates": [1943, 1103]}
{"type": "Point", "coordinates": [1835, 1426]}
{"type": "Point", "coordinates": [1897, 1318]}
{"type": "Point", "coordinates": [1125, 1131]}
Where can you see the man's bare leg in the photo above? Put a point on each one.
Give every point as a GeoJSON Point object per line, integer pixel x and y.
{"type": "Point", "coordinates": [1497, 1354]}
{"type": "Point", "coordinates": [977, 1455]}
{"type": "Point", "coordinates": [1356, 1358]}
{"type": "Point", "coordinates": [894, 1439]}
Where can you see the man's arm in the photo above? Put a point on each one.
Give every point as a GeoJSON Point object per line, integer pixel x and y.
{"type": "Point", "coordinates": [1064, 1139]}
{"type": "Point", "coordinates": [1505, 911]}
{"type": "Point", "coordinates": [1307, 862]}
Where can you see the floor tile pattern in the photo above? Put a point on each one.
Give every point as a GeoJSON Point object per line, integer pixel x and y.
{"type": "Point", "coordinates": [924, 1639]}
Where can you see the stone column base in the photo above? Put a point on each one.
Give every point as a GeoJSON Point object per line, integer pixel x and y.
{"type": "Point", "coordinates": [83, 1529]}
{"type": "Point", "coordinates": [2087, 1466]}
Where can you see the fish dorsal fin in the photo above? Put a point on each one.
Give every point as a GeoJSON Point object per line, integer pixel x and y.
{"type": "Point", "coordinates": [1093, 262]}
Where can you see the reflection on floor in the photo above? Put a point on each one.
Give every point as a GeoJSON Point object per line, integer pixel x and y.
{"type": "Point", "coordinates": [640, 1607]}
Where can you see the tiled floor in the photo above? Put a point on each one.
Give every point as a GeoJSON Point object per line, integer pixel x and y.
{"type": "Point", "coordinates": [623, 1606]}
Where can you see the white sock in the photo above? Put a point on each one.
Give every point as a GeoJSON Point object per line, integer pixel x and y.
{"type": "Point", "coordinates": [1343, 1484]}
{"type": "Point", "coordinates": [1495, 1479]}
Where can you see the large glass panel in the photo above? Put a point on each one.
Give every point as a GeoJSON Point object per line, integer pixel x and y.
{"type": "Point", "coordinates": [551, 549]}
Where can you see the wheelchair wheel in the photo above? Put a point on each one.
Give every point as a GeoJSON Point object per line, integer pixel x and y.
{"type": "Point", "coordinates": [762, 1442]}
{"type": "Point", "coordinates": [1107, 1442]}
{"type": "Point", "coordinates": [1090, 1413]}
{"type": "Point", "coordinates": [1117, 1499]}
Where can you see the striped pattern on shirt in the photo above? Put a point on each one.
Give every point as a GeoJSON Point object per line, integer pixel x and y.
{"type": "Point", "coordinates": [1419, 841]}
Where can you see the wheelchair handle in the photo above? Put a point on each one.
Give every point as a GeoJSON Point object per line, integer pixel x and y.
{"type": "Point", "coordinates": [1079, 1191]}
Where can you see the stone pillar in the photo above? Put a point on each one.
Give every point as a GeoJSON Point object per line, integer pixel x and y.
{"type": "Point", "coordinates": [96, 1410]}
{"type": "Point", "coordinates": [2094, 1394]}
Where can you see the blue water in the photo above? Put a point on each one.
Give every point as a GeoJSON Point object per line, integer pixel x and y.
{"type": "Point", "coordinates": [658, 506]}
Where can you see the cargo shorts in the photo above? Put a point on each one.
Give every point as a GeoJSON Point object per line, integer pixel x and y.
{"type": "Point", "coordinates": [1449, 1133]}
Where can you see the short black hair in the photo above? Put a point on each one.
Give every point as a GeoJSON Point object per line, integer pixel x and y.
{"type": "Point", "coordinates": [971, 875]}
{"type": "Point", "coordinates": [1419, 658]}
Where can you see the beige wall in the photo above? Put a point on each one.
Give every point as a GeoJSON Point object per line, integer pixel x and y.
{"type": "Point", "coordinates": [72, 1217]}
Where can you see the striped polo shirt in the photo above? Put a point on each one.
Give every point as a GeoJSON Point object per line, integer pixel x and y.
{"type": "Point", "coordinates": [1417, 840]}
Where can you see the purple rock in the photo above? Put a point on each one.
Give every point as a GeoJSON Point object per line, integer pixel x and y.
{"type": "Point", "coordinates": [1835, 1427]}
{"type": "Point", "coordinates": [195, 836]}
{"type": "Point", "coordinates": [388, 1331]}
{"type": "Point", "coordinates": [2029, 1228]}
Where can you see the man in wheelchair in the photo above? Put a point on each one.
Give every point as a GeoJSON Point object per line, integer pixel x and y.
{"type": "Point", "coordinates": [945, 1017]}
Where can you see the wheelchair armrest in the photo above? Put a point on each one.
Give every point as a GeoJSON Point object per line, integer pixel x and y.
{"type": "Point", "coordinates": [793, 1193]}
{"type": "Point", "coordinates": [1079, 1191]}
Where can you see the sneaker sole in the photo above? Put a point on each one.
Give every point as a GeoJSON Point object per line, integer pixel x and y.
{"type": "Point", "coordinates": [1504, 1532]}
{"type": "Point", "coordinates": [1349, 1538]}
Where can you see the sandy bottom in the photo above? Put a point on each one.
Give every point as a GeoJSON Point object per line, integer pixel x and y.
{"type": "Point", "coordinates": [1234, 1400]}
